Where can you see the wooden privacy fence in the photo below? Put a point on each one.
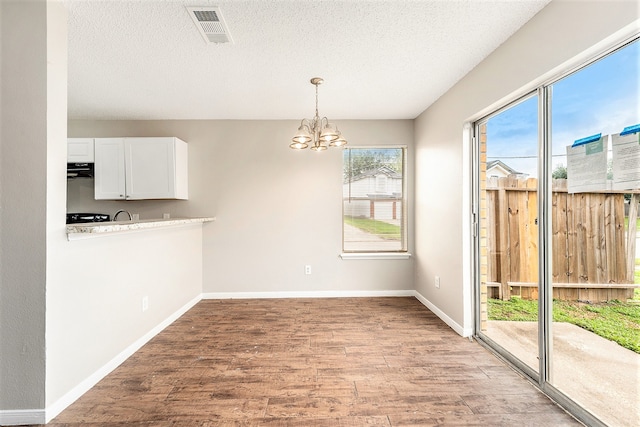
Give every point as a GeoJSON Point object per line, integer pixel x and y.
{"type": "Point", "coordinates": [590, 248]}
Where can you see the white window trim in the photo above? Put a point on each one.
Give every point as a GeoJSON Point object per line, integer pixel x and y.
{"type": "Point", "coordinates": [375, 255]}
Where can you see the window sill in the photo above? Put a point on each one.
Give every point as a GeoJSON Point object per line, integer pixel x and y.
{"type": "Point", "coordinates": [375, 255]}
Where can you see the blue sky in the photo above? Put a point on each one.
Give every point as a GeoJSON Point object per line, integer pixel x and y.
{"type": "Point", "coordinates": [601, 98]}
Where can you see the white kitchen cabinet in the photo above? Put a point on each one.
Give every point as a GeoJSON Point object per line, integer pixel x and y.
{"type": "Point", "coordinates": [80, 150]}
{"type": "Point", "coordinates": [141, 168]}
{"type": "Point", "coordinates": [109, 170]}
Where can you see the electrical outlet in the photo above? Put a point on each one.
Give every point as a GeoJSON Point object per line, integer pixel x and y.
{"type": "Point", "coordinates": [166, 216]}
{"type": "Point", "coordinates": [145, 303]}
{"type": "Point", "coordinates": [307, 269]}
{"type": "Point", "coordinates": [437, 282]}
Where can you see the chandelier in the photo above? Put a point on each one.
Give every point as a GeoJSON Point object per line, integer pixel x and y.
{"type": "Point", "coordinates": [317, 131]}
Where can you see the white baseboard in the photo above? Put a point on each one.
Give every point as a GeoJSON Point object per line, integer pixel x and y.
{"type": "Point", "coordinates": [446, 319]}
{"type": "Point", "coordinates": [306, 294]}
{"type": "Point", "coordinates": [22, 417]}
{"type": "Point", "coordinates": [70, 397]}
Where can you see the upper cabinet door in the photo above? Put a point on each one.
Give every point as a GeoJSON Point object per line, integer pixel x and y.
{"type": "Point", "coordinates": [156, 168]}
{"type": "Point", "coordinates": [109, 169]}
{"type": "Point", "coordinates": [80, 150]}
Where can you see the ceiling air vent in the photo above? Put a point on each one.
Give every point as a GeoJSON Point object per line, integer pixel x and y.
{"type": "Point", "coordinates": [210, 23]}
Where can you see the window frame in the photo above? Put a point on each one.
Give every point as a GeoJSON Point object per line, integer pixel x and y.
{"type": "Point", "coordinates": [403, 252]}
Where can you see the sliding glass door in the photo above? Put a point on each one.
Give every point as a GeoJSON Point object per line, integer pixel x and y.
{"type": "Point", "coordinates": [595, 332]}
{"type": "Point", "coordinates": [508, 143]}
{"type": "Point", "coordinates": [558, 245]}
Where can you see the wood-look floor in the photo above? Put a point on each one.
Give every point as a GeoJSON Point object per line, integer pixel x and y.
{"type": "Point", "coordinates": [312, 362]}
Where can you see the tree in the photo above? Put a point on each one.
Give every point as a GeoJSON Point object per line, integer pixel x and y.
{"type": "Point", "coordinates": [359, 160]}
{"type": "Point", "coordinates": [560, 172]}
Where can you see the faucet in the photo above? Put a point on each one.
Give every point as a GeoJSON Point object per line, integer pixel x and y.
{"type": "Point", "coordinates": [115, 216]}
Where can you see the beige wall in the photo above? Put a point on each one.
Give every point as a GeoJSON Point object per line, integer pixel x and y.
{"type": "Point", "coordinates": [561, 36]}
{"type": "Point", "coordinates": [277, 209]}
{"type": "Point", "coordinates": [23, 140]}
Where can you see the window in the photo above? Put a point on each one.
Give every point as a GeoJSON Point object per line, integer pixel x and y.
{"type": "Point", "coordinates": [381, 183]}
{"type": "Point", "coordinates": [374, 200]}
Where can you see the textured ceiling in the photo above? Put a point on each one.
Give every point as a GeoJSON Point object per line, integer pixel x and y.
{"type": "Point", "coordinates": [145, 59]}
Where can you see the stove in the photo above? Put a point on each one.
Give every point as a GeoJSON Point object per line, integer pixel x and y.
{"type": "Point", "coordinates": [79, 218]}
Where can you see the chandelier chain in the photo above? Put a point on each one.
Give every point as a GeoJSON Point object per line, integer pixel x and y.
{"type": "Point", "coordinates": [317, 115]}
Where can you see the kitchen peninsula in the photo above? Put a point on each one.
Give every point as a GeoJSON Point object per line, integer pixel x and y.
{"type": "Point", "coordinates": [89, 230]}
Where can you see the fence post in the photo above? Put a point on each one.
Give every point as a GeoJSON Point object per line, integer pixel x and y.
{"type": "Point", "coordinates": [504, 249]}
{"type": "Point", "coordinates": [631, 236]}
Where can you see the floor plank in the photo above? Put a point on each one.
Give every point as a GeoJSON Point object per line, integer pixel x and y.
{"type": "Point", "coordinates": [320, 362]}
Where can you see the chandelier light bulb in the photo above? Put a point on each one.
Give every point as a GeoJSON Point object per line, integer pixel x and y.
{"type": "Point", "coordinates": [338, 142]}
{"type": "Point", "coordinates": [298, 145]}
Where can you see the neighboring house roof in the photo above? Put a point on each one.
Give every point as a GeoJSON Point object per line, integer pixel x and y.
{"type": "Point", "coordinates": [376, 171]}
{"type": "Point", "coordinates": [503, 167]}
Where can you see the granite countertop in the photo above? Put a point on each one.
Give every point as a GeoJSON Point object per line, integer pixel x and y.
{"type": "Point", "coordinates": [94, 229]}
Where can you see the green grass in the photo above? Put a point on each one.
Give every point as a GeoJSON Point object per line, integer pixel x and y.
{"type": "Point", "coordinates": [515, 309]}
{"type": "Point", "coordinates": [616, 321]}
{"type": "Point", "coordinates": [372, 226]}
{"type": "Point", "coordinates": [626, 223]}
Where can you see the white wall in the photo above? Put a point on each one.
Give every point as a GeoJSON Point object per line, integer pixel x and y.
{"type": "Point", "coordinates": [94, 302]}
{"type": "Point", "coordinates": [277, 209]}
{"type": "Point", "coordinates": [562, 34]}
{"type": "Point", "coordinates": [56, 103]}
{"type": "Point", "coordinates": [23, 140]}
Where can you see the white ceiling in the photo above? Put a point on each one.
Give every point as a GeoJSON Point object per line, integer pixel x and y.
{"type": "Point", "coordinates": [145, 59]}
